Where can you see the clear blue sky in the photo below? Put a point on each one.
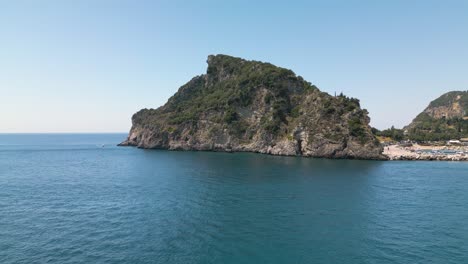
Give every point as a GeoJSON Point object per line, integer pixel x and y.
{"type": "Point", "coordinates": [87, 66]}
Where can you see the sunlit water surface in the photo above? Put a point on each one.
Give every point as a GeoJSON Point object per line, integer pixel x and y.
{"type": "Point", "coordinates": [81, 199]}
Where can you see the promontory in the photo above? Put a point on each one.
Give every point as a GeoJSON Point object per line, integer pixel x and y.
{"type": "Point", "coordinates": [241, 105]}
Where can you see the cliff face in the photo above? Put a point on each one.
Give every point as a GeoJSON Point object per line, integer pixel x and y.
{"type": "Point", "coordinates": [444, 118]}
{"type": "Point", "coordinates": [241, 105]}
{"type": "Point", "coordinates": [449, 105]}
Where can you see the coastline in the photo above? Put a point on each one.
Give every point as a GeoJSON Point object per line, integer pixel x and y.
{"type": "Point", "coordinates": [381, 157]}
{"type": "Point", "coordinates": [427, 153]}
{"type": "Point", "coordinates": [390, 153]}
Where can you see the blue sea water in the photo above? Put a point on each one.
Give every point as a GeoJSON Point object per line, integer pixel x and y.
{"type": "Point", "coordinates": [68, 198]}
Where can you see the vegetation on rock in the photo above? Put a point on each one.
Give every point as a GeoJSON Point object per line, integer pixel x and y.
{"type": "Point", "coordinates": [445, 118]}
{"type": "Point", "coordinates": [254, 106]}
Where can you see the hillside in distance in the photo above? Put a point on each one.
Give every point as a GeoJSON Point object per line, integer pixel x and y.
{"type": "Point", "coordinates": [241, 105]}
{"type": "Point", "coordinates": [445, 118]}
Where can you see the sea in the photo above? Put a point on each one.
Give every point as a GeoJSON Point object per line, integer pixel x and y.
{"type": "Point", "coordinates": [79, 198]}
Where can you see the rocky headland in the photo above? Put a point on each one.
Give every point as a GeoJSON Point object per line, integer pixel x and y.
{"type": "Point", "coordinates": [241, 105]}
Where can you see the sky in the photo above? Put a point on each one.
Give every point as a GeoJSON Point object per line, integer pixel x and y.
{"type": "Point", "coordinates": [88, 66]}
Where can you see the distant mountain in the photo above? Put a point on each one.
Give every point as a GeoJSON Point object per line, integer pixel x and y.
{"type": "Point", "coordinates": [241, 105]}
{"type": "Point", "coordinates": [445, 118]}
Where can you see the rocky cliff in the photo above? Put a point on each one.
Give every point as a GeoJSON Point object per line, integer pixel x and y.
{"type": "Point", "coordinates": [241, 105]}
{"type": "Point", "coordinates": [449, 105]}
{"type": "Point", "coordinates": [445, 118]}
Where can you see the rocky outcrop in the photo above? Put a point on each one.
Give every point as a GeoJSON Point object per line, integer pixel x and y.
{"type": "Point", "coordinates": [241, 105]}
{"type": "Point", "coordinates": [445, 118]}
{"type": "Point", "coordinates": [449, 105]}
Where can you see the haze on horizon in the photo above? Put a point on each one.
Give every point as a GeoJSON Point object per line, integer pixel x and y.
{"type": "Point", "coordinates": [88, 66]}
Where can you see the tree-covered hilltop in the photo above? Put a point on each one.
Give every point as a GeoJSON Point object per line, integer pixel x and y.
{"type": "Point", "coordinates": [445, 118]}
{"type": "Point", "coordinates": [241, 105]}
{"type": "Point", "coordinates": [392, 134]}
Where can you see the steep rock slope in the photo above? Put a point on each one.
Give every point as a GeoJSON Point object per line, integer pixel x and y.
{"type": "Point", "coordinates": [241, 105]}
{"type": "Point", "coordinates": [445, 118]}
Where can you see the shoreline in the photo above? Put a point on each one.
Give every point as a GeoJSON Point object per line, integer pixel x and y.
{"type": "Point", "coordinates": [426, 153]}
{"type": "Point", "coordinates": [234, 150]}
{"type": "Point", "coordinates": [390, 153]}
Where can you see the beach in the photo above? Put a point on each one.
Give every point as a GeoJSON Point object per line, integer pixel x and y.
{"type": "Point", "coordinates": [419, 152]}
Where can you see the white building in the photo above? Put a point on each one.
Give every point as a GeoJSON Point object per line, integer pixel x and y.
{"type": "Point", "coordinates": [454, 142]}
